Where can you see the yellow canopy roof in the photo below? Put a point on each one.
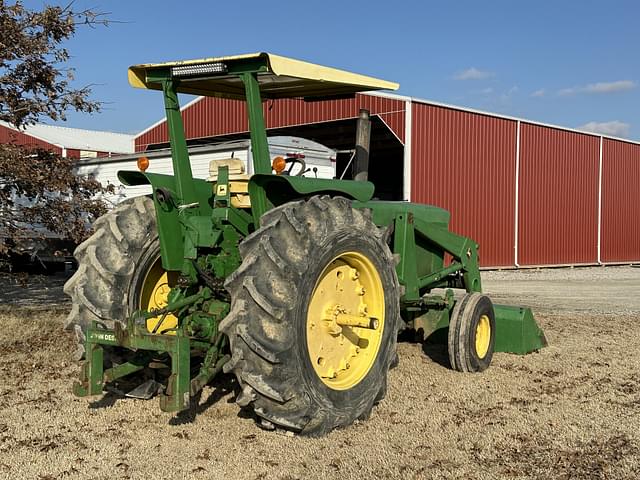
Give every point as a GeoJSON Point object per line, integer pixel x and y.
{"type": "Point", "coordinates": [283, 78]}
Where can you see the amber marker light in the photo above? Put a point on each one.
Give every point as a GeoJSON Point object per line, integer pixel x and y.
{"type": "Point", "coordinates": [143, 164]}
{"type": "Point", "coordinates": [278, 165]}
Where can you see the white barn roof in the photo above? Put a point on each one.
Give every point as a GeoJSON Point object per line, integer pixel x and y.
{"type": "Point", "coordinates": [80, 139]}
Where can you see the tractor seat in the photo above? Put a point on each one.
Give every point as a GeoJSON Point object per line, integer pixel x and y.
{"type": "Point", "coordinates": [238, 180]}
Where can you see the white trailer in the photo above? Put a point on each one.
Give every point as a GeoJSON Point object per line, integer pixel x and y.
{"type": "Point", "coordinates": [320, 162]}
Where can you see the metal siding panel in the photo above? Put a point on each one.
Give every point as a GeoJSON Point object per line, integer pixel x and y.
{"type": "Point", "coordinates": [620, 237]}
{"type": "Point", "coordinates": [73, 153]}
{"type": "Point", "coordinates": [465, 163]}
{"type": "Point", "coordinates": [11, 136]}
{"type": "Point", "coordinates": [558, 197]}
{"type": "Point", "coordinates": [211, 117]}
{"type": "Point", "coordinates": [290, 112]}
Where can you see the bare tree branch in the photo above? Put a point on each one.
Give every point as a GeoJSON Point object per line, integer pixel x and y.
{"type": "Point", "coordinates": [38, 188]}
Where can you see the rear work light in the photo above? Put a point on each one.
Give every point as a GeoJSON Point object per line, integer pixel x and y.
{"type": "Point", "coordinates": [143, 163]}
{"type": "Point", "coordinates": [196, 70]}
{"type": "Point", "coordinates": [278, 165]}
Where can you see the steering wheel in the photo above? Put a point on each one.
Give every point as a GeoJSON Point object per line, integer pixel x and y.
{"type": "Point", "coordinates": [293, 161]}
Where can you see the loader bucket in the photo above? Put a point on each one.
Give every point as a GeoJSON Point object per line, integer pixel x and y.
{"type": "Point", "coordinates": [517, 330]}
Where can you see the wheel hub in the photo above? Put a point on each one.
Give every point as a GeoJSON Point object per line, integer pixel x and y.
{"type": "Point", "coordinates": [483, 336]}
{"type": "Point", "coordinates": [345, 320]}
{"type": "Point", "coordinates": [154, 295]}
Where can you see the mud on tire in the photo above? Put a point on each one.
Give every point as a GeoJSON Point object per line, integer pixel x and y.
{"type": "Point", "coordinates": [270, 294]}
{"type": "Point", "coordinates": [107, 266]}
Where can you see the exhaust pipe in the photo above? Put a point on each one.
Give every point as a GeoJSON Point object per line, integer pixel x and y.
{"type": "Point", "coordinates": [363, 140]}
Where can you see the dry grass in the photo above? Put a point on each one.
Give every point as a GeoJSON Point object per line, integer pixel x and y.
{"type": "Point", "coordinates": [569, 411]}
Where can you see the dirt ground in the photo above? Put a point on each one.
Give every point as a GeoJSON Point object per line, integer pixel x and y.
{"type": "Point", "coordinates": [571, 410]}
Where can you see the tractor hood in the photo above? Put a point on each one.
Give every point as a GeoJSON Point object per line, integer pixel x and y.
{"type": "Point", "coordinates": [279, 77]}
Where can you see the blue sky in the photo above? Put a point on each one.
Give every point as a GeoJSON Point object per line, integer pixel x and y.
{"type": "Point", "coordinates": [571, 63]}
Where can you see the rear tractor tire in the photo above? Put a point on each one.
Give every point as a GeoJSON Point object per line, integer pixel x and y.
{"type": "Point", "coordinates": [314, 316]}
{"type": "Point", "coordinates": [119, 271]}
{"type": "Point", "coordinates": [472, 330]}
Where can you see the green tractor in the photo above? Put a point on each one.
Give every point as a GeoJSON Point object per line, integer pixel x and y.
{"type": "Point", "coordinates": [299, 286]}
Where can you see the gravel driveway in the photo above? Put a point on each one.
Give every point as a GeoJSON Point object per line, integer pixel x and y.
{"type": "Point", "coordinates": [571, 410]}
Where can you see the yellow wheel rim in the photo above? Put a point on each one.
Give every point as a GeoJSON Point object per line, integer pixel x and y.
{"type": "Point", "coordinates": [345, 321]}
{"type": "Point", "coordinates": [155, 291]}
{"type": "Point", "coordinates": [483, 336]}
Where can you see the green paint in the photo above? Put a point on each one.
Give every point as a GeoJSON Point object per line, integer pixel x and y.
{"type": "Point", "coordinates": [259, 144]}
{"type": "Point", "coordinates": [258, 132]}
{"type": "Point", "coordinates": [404, 245]}
{"type": "Point", "coordinates": [126, 368]}
{"type": "Point", "coordinates": [200, 232]}
{"type": "Point", "coordinates": [434, 314]}
{"type": "Point", "coordinates": [281, 189]}
{"type": "Point", "coordinates": [174, 223]}
{"type": "Point", "coordinates": [91, 372]}
{"type": "Point", "coordinates": [420, 239]}
{"type": "Point", "coordinates": [179, 152]}
{"type": "Point", "coordinates": [177, 396]}
{"type": "Point", "coordinates": [222, 198]}
{"type": "Point", "coordinates": [517, 330]}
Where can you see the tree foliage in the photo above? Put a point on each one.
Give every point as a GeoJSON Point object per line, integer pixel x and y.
{"type": "Point", "coordinates": [38, 188]}
{"type": "Point", "coordinates": [34, 78]}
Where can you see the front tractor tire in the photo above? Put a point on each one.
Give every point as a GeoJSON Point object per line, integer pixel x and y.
{"type": "Point", "coordinates": [119, 270]}
{"type": "Point", "coordinates": [313, 321]}
{"type": "Point", "coordinates": [472, 333]}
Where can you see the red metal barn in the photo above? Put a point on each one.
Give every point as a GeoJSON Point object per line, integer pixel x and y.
{"type": "Point", "coordinates": [9, 135]}
{"type": "Point", "coordinates": [530, 194]}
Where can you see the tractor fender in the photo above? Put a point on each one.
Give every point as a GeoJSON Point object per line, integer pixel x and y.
{"type": "Point", "coordinates": [169, 223]}
{"type": "Point", "coordinates": [132, 177]}
{"type": "Point", "coordinates": [283, 188]}
{"type": "Point", "coordinates": [202, 188]}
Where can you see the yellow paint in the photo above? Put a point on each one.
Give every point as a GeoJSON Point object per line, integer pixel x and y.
{"type": "Point", "coordinates": [342, 354]}
{"type": "Point", "coordinates": [483, 336]}
{"type": "Point", "coordinates": [155, 290]}
{"type": "Point", "coordinates": [238, 181]}
{"type": "Point", "coordinates": [235, 168]}
{"type": "Point", "coordinates": [285, 78]}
